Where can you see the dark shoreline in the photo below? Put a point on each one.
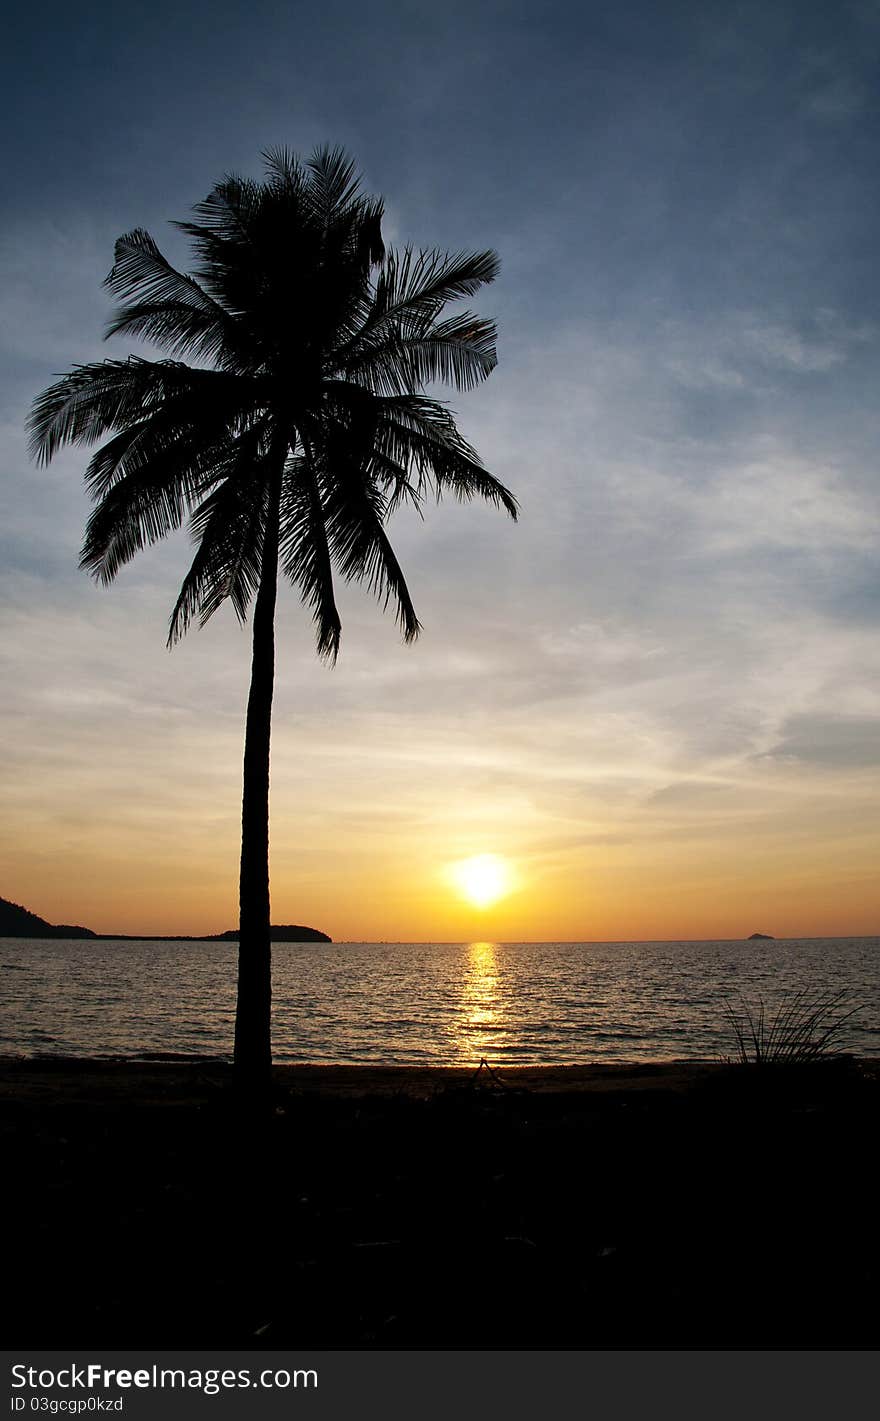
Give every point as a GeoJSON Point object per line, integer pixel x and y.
{"type": "Point", "coordinates": [63, 934]}
{"type": "Point", "coordinates": [661, 1205]}
{"type": "Point", "coordinates": [131, 1073]}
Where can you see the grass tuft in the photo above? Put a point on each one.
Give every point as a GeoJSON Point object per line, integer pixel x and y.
{"type": "Point", "coordinates": [809, 1026]}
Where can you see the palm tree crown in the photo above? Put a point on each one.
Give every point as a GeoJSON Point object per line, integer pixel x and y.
{"type": "Point", "coordinates": [315, 372]}
{"type": "Point", "coordinates": [299, 425]}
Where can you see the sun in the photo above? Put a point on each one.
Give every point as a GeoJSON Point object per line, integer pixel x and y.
{"type": "Point", "coordinates": [482, 879]}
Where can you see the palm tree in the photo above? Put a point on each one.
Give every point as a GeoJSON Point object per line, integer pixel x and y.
{"type": "Point", "coordinates": [303, 425]}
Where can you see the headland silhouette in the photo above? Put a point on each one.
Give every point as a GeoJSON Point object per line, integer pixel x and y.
{"type": "Point", "coordinates": [16, 921]}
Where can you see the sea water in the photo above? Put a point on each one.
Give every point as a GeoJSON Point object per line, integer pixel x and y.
{"type": "Point", "coordinates": [425, 1003]}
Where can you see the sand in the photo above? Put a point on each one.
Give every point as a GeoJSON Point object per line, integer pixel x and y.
{"type": "Point", "coordinates": [676, 1204]}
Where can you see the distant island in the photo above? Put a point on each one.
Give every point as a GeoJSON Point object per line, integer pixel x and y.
{"type": "Point", "coordinates": [281, 932]}
{"type": "Point", "coordinates": [16, 921]}
{"type": "Point", "coordinates": [761, 937]}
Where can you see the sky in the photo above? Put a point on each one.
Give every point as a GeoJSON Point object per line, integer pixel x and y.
{"type": "Point", "coordinates": [657, 696]}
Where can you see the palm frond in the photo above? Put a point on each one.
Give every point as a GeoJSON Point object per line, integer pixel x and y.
{"type": "Point", "coordinates": [406, 433]}
{"type": "Point", "coordinates": [334, 197]}
{"type": "Point", "coordinates": [153, 498]}
{"type": "Point", "coordinates": [370, 246]}
{"type": "Point", "coordinates": [423, 431]}
{"type": "Point", "coordinates": [283, 167]}
{"type": "Point", "coordinates": [393, 478]}
{"type": "Point", "coordinates": [225, 215]}
{"type": "Point", "coordinates": [165, 450]}
{"type": "Point", "coordinates": [137, 511]}
{"type": "Point", "coordinates": [459, 351]}
{"type": "Point", "coordinates": [179, 329]}
{"type": "Point", "coordinates": [335, 182]}
{"type": "Point", "coordinates": [228, 527]}
{"type": "Point", "coordinates": [417, 286]}
{"type": "Point", "coordinates": [93, 400]}
{"type": "Point", "coordinates": [224, 237]}
{"type": "Point", "coordinates": [355, 511]}
{"type": "Point", "coordinates": [305, 553]}
{"type": "Point", "coordinates": [171, 439]}
{"type": "Point", "coordinates": [413, 284]}
{"type": "Point", "coordinates": [162, 304]}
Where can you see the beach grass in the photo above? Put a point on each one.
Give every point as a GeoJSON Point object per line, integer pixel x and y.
{"type": "Point", "coordinates": [807, 1026]}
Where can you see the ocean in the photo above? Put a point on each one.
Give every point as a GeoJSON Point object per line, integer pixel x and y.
{"type": "Point", "coordinates": [408, 1003]}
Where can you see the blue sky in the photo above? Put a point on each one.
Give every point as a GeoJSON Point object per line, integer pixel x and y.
{"type": "Point", "coordinates": [659, 689]}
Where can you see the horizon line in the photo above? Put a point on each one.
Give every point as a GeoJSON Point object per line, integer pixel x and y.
{"type": "Point", "coordinates": [446, 942]}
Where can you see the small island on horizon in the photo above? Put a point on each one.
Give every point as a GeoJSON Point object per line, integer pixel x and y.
{"type": "Point", "coordinates": [761, 937]}
{"type": "Point", "coordinates": [16, 921]}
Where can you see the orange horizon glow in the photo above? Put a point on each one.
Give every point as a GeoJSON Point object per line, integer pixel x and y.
{"type": "Point", "coordinates": [131, 823]}
{"type": "Point", "coordinates": [546, 903]}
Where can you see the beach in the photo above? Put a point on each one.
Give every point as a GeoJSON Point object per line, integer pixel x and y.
{"type": "Point", "coordinates": [671, 1204]}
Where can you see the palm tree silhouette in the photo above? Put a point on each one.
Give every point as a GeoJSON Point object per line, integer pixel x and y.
{"type": "Point", "coordinates": [304, 426]}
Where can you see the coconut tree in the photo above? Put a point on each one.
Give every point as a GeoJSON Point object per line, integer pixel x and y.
{"type": "Point", "coordinates": [287, 422]}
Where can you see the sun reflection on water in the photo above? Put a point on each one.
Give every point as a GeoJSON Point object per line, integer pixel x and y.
{"type": "Point", "coordinates": [483, 1017]}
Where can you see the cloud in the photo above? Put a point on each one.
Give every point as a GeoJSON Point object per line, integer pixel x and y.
{"type": "Point", "coordinates": [832, 88]}
{"type": "Point", "coordinates": [743, 351]}
{"type": "Point", "coordinates": [831, 741]}
{"type": "Point", "coordinates": [779, 499]}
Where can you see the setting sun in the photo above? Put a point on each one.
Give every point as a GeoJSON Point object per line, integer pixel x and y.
{"type": "Point", "coordinates": [482, 879]}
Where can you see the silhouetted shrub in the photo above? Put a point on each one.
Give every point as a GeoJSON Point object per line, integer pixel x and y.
{"type": "Point", "coordinates": [808, 1026]}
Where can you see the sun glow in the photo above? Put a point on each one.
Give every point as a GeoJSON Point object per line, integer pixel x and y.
{"type": "Point", "coordinates": [482, 879]}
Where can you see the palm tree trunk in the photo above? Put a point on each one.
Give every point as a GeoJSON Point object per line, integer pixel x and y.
{"type": "Point", "coordinates": [253, 1017]}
